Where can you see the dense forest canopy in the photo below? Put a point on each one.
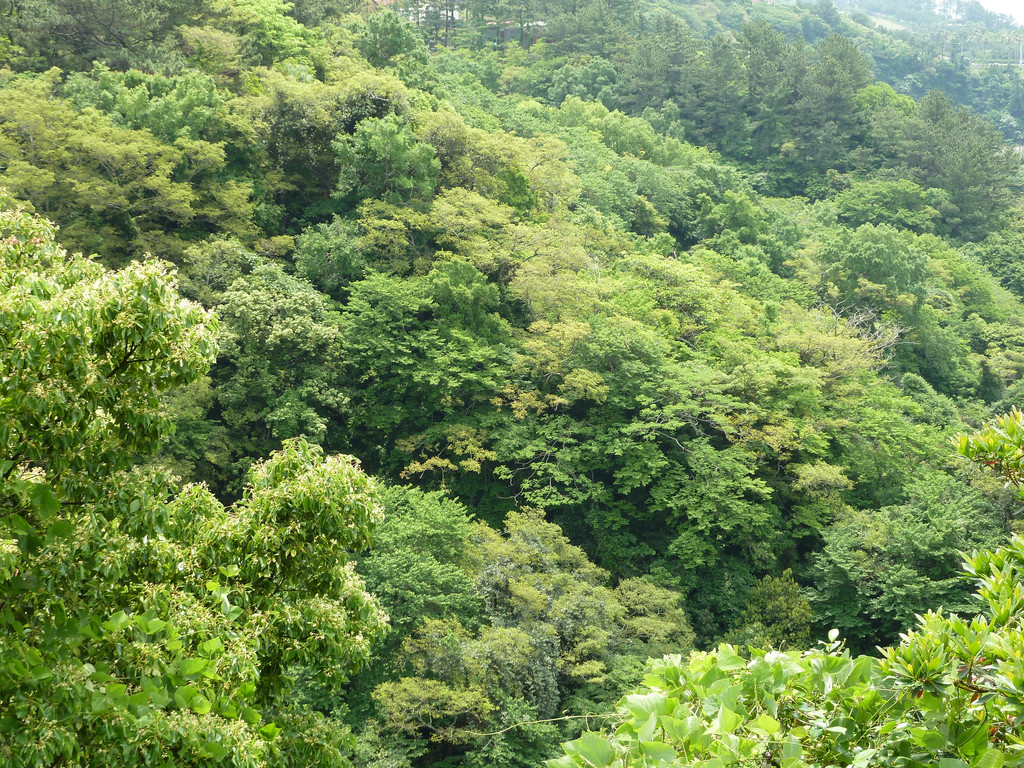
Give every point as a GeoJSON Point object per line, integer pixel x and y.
{"type": "Point", "coordinates": [385, 386]}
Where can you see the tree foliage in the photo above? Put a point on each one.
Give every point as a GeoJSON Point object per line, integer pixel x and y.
{"type": "Point", "coordinates": [951, 689]}
{"type": "Point", "coordinates": [140, 624]}
{"type": "Point", "coordinates": [653, 323]}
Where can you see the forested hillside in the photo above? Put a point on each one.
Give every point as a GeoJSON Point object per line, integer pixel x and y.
{"type": "Point", "coordinates": [437, 366]}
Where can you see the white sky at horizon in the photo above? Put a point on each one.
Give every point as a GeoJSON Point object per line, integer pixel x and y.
{"type": "Point", "coordinates": [1013, 8]}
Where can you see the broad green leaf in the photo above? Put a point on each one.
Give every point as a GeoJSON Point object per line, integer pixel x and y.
{"type": "Point", "coordinates": [200, 704]}
{"type": "Point", "coordinates": [60, 529]}
{"type": "Point", "coordinates": [768, 724]}
{"type": "Point", "coordinates": [192, 667]}
{"type": "Point", "coordinates": [656, 752]}
{"type": "Point", "coordinates": [643, 705]}
{"type": "Point", "coordinates": [687, 732]}
{"type": "Point", "coordinates": [929, 739]}
{"type": "Point", "coordinates": [593, 749]}
{"type": "Point", "coordinates": [215, 750]}
{"type": "Point", "coordinates": [729, 660]}
{"type": "Point", "coordinates": [727, 721]}
{"type": "Point", "coordinates": [791, 748]}
{"type": "Point", "coordinates": [212, 646]}
{"type": "Point", "coordinates": [20, 525]}
{"type": "Point", "coordinates": [183, 696]}
{"type": "Point", "coordinates": [992, 758]}
{"type": "Point", "coordinates": [645, 731]}
{"type": "Point", "coordinates": [270, 731]}
{"type": "Point", "coordinates": [118, 621]}
{"type": "Point", "coordinates": [43, 500]}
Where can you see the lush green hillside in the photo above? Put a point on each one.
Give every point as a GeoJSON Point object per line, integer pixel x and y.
{"type": "Point", "coordinates": [652, 327]}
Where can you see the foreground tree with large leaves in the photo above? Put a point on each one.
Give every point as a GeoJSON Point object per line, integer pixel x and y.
{"type": "Point", "coordinates": [951, 693]}
{"type": "Point", "coordinates": [138, 627]}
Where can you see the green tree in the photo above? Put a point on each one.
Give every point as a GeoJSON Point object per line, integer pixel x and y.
{"type": "Point", "coordinates": [654, 617]}
{"type": "Point", "coordinates": [768, 86]}
{"type": "Point", "coordinates": [417, 567]}
{"type": "Point", "coordinates": [277, 376]}
{"type": "Point", "coordinates": [951, 148]}
{"type": "Point", "coordinates": [272, 33]}
{"type": "Point", "coordinates": [1000, 252]}
{"type": "Point", "coordinates": [899, 203]}
{"type": "Point", "coordinates": [176, 633]}
{"type": "Point", "coordinates": [188, 106]}
{"type": "Point", "coordinates": [951, 689]}
{"type": "Point", "coordinates": [329, 257]}
{"type": "Point", "coordinates": [874, 265]}
{"type": "Point", "coordinates": [829, 128]}
{"type": "Point", "coordinates": [75, 33]}
{"type": "Point", "coordinates": [313, 13]}
{"type": "Point", "coordinates": [421, 356]}
{"type": "Point", "coordinates": [880, 568]}
{"type": "Point", "coordinates": [551, 631]}
{"type": "Point", "coordinates": [776, 616]}
{"type": "Point", "coordinates": [384, 159]}
{"type": "Point", "coordinates": [116, 190]}
{"type": "Point", "coordinates": [386, 36]}
{"type": "Point", "coordinates": [296, 121]}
